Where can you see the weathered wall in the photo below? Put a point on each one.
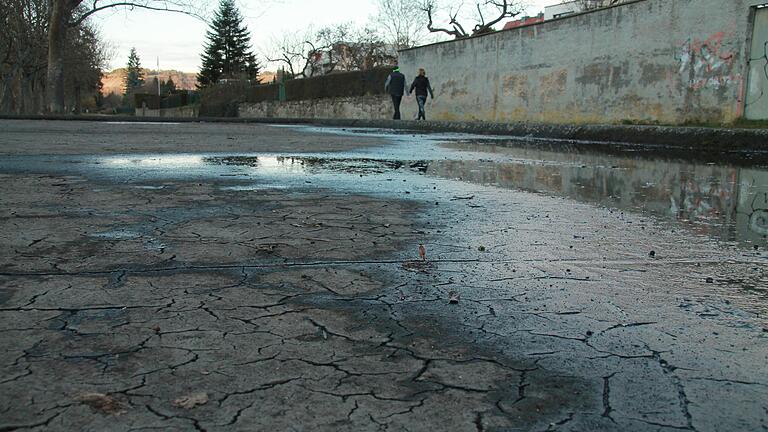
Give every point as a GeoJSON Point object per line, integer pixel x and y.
{"type": "Point", "coordinates": [651, 60]}
{"type": "Point", "coordinates": [180, 112]}
{"type": "Point", "coordinates": [362, 107]}
{"type": "Point", "coordinates": [757, 85]}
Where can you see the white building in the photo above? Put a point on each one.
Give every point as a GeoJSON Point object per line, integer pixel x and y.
{"type": "Point", "coordinates": [573, 7]}
{"type": "Point", "coordinates": [561, 10]}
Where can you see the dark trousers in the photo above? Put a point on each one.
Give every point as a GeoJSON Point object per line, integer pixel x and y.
{"type": "Point", "coordinates": [396, 102]}
{"type": "Point", "coordinates": [422, 100]}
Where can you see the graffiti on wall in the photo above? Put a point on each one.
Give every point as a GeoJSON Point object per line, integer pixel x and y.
{"type": "Point", "coordinates": [705, 64]}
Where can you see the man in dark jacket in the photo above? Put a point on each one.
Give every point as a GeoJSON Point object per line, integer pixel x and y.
{"type": "Point", "coordinates": [422, 86]}
{"type": "Point", "coordinates": [395, 86]}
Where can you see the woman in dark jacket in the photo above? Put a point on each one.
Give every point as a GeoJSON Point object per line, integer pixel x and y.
{"type": "Point", "coordinates": [422, 86]}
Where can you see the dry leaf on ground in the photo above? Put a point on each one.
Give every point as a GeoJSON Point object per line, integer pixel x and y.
{"type": "Point", "coordinates": [191, 401]}
{"type": "Point", "coordinates": [102, 403]}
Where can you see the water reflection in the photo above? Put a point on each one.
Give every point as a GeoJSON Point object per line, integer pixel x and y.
{"type": "Point", "coordinates": [315, 165]}
{"type": "Point", "coordinates": [163, 161]}
{"type": "Point", "coordinates": [725, 201]}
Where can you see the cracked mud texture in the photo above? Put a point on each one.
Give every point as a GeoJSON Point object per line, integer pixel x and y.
{"type": "Point", "coordinates": [291, 309]}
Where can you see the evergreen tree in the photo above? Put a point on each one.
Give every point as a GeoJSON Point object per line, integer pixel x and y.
{"type": "Point", "coordinates": [134, 77]}
{"type": "Point", "coordinates": [169, 86]}
{"type": "Point", "coordinates": [153, 87]}
{"type": "Point", "coordinates": [228, 50]}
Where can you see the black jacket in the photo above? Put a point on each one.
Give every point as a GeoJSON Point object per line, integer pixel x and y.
{"type": "Point", "coordinates": [421, 84]}
{"type": "Point", "coordinates": [395, 84]}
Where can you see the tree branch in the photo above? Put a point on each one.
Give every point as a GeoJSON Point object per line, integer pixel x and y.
{"type": "Point", "coordinates": [504, 13]}
{"type": "Point", "coordinates": [457, 32]}
{"type": "Point", "coordinates": [94, 9]}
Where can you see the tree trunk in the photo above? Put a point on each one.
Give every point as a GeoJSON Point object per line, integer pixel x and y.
{"type": "Point", "coordinates": [6, 93]}
{"type": "Point", "coordinates": [76, 107]}
{"type": "Point", "coordinates": [57, 37]}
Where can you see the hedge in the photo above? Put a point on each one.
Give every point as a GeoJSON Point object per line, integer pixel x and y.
{"type": "Point", "coordinates": [221, 100]}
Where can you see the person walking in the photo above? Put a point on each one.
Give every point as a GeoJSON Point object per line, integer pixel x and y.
{"type": "Point", "coordinates": [395, 86]}
{"type": "Point", "coordinates": [422, 87]}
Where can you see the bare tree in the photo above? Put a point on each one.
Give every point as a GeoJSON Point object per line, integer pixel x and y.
{"type": "Point", "coordinates": [400, 22]}
{"type": "Point", "coordinates": [485, 14]}
{"type": "Point", "coordinates": [362, 49]}
{"type": "Point", "coordinates": [341, 47]}
{"type": "Point", "coordinates": [67, 14]}
{"type": "Point", "coordinates": [299, 53]}
{"type": "Point", "coordinates": [24, 53]}
{"type": "Point", "coordinates": [21, 53]}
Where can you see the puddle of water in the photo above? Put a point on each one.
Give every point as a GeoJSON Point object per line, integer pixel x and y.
{"type": "Point", "coordinates": [165, 161]}
{"type": "Point", "coordinates": [724, 195]}
{"type": "Point", "coordinates": [728, 202]}
{"type": "Point", "coordinates": [725, 201]}
{"type": "Point", "coordinates": [317, 165]}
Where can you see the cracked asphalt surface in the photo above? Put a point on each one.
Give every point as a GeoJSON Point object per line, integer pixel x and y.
{"type": "Point", "coordinates": [271, 275]}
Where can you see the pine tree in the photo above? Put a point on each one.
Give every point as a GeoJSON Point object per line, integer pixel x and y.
{"type": "Point", "coordinates": [169, 86]}
{"type": "Point", "coordinates": [153, 86]}
{"type": "Point", "coordinates": [228, 52]}
{"type": "Point", "coordinates": [134, 77]}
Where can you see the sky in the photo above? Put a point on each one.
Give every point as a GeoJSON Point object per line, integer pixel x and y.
{"type": "Point", "coordinates": [177, 39]}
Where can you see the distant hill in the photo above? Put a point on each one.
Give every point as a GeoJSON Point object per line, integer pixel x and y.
{"type": "Point", "coordinates": [113, 81]}
{"type": "Point", "coordinates": [267, 77]}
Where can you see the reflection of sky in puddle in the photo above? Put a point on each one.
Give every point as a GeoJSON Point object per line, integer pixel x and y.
{"type": "Point", "coordinates": [169, 161]}
{"type": "Point", "coordinates": [259, 164]}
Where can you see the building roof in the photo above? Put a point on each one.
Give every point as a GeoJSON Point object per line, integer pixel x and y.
{"type": "Point", "coordinates": [523, 22]}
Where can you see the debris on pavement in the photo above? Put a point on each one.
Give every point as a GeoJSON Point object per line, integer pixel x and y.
{"type": "Point", "coordinates": [453, 297]}
{"type": "Point", "coordinates": [103, 403]}
{"type": "Point", "coordinates": [191, 401]}
{"type": "Point", "coordinates": [418, 266]}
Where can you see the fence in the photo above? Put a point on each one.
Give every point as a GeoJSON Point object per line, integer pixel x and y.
{"type": "Point", "coordinates": [222, 100]}
{"type": "Point", "coordinates": [345, 84]}
{"type": "Point", "coordinates": [173, 100]}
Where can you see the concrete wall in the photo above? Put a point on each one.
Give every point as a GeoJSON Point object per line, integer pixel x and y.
{"type": "Point", "coordinates": [670, 61]}
{"type": "Point", "coordinates": [363, 107]}
{"type": "Point", "coordinates": [180, 112]}
{"type": "Point", "coordinates": [757, 84]}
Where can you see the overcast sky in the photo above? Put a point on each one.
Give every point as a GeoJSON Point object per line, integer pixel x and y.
{"type": "Point", "coordinates": [178, 39]}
